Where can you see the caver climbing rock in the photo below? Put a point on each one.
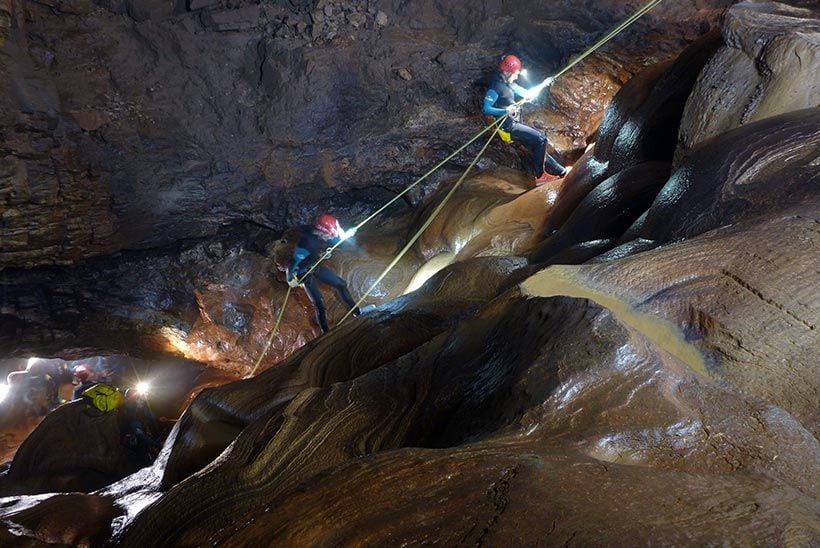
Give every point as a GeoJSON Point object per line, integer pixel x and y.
{"type": "Point", "coordinates": [83, 380]}
{"type": "Point", "coordinates": [314, 239]}
{"type": "Point", "coordinates": [140, 429]}
{"type": "Point", "coordinates": [500, 100]}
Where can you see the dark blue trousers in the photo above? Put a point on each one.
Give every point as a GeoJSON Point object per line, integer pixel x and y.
{"type": "Point", "coordinates": [536, 142]}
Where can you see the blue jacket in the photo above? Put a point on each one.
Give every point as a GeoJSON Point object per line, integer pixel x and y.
{"type": "Point", "coordinates": [500, 95]}
{"type": "Point", "coordinates": [308, 250]}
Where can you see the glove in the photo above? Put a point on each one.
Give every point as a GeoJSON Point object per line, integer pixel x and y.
{"type": "Point", "coordinates": [536, 91]}
{"type": "Point", "coordinates": [548, 82]}
{"type": "Point", "coordinates": [512, 110]}
{"type": "Point", "coordinates": [291, 278]}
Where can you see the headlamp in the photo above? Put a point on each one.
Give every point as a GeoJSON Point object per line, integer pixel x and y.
{"type": "Point", "coordinates": [143, 388]}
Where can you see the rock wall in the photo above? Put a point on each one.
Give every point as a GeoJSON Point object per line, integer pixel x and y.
{"type": "Point", "coordinates": [128, 124]}
{"type": "Point", "coordinates": [672, 377]}
{"type": "Point", "coordinates": [759, 72]}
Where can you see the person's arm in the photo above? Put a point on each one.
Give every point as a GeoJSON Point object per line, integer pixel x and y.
{"type": "Point", "coordinates": [299, 255]}
{"type": "Point", "coordinates": [489, 101]}
{"type": "Point", "coordinates": [532, 92]}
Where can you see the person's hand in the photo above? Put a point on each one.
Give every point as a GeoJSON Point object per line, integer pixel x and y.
{"type": "Point", "coordinates": [534, 92]}
{"type": "Point", "coordinates": [546, 83]}
{"type": "Point", "coordinates": [512, 110]}
{"type": "Point", "coordinates": [292, 280]}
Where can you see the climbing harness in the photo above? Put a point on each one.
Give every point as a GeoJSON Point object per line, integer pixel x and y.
{"type": "Point", "coordinates": [496, 127]}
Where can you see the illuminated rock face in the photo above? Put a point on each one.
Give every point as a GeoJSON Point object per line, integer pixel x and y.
{"type": "Point", "coordinates": [664, 390]}
{"type": "Point", "coordinates": [759, 72]}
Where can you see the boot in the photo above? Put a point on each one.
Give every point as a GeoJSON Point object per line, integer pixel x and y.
{"type": "Point", "coordinates": [546, 178]}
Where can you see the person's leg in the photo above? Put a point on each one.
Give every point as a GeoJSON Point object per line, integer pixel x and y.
{"type": "Point", "coordinates": [327, 276]}
{"type": "Point", "coordinates": [315, 296]}
{"type": "Point", "coordinates": [553, 167]}
{"type": "Point", "coordinates": [53, 387]}
{"type": "Point", "coordinates": [535, 142]}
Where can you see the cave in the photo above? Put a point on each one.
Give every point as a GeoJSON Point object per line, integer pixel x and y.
{"type": "Point", "coordinates": [623, 354]}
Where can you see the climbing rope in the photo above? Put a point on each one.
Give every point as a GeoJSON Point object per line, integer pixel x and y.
{"type": "Point", "coordinates": [419, 232]}
{"type": "Point", "coordinates": [618, 29]}
{"type": "Point", "coordinates": [330, 249]}
{"type": "Point", "coordinates": [272, 333]}
{"type": "Point", "coordinates": [495, 124]}
{"type": "Point", "coordinates": [393, 200]}
{"type": "Point", "coordinates": [614, 32]}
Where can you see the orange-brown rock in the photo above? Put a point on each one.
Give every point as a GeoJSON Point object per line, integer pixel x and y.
{"type": "Point", "coordinates": [117, 133]}
{"type": "Point", "coordinates": [665, 391]}
{"type": "Point", "coordinates": [502, 396]}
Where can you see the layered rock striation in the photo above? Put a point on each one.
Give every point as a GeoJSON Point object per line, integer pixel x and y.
{"type": "Point", "coordinates": [655, 353]}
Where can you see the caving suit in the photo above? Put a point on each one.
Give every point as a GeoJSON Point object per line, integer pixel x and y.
{"type": "Point", "coordinates": [500, 95]}
{"type": "Point", "coordinates": [140, 432]}
{"type": "Point", "coordinates": [308, 250]}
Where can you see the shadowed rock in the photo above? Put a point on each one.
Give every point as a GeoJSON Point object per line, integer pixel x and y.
{"type": "Point", "coordinates": [746, 295]}
{"type": "Point", "coordinates": [69, 451]}
{"type": "Point", "coordinates": [510, 404]}
{"type": "Point", "coordinates": [585, 175]}
{"type": "Point", "coordinates": [607, 211]}
{"type": "Point", "coordinates": [362, 344]}
{"type": "Point", "coordinates": [650, 132]}
{"type": "Point", "coordinates": [137, 124]}
{"type": "Point", "coordinates": [639, 125]}
{"type": "Point", "coordinates": [478, 391]}
{"type": "Point", "coordinates": [760, 167]}
{"type": "Point", "coordinates": [66, 519]}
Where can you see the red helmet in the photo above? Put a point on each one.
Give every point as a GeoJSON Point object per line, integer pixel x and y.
{"type": "Point", "coordinates": [82, 372]}
{"type": "Point", "coordinates": [510, 64]}
{"type": "Point", "coordinates": [327, 225]}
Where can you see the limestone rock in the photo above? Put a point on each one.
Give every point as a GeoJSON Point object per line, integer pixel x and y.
{"type": "Point", "coordinates": [102, 460]}
{"type": "Point", "coordinates": [732, 177]}
{"type": "Point", "coordinates": [768, 66]}
{"type": "Point", "coordinates": [674, 377]}
{"type": "Point", "coordinates": [235, 19]}
{"type": "Point", "coordinates": [640, 125]}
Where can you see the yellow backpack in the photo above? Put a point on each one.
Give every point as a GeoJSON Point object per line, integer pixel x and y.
{"type": "Point", "coordinates": [104, 397]}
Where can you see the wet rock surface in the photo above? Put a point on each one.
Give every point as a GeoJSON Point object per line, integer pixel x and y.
{"type": "Point", "coordinates": [757, 73]}
{"type": "Point", "coordinates": [664, 390]}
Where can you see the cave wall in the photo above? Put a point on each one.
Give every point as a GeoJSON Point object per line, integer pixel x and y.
{"type": "Point", "coordinates": [511, 402]}
{"type": "Point", "coordinates": [129, 124]}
